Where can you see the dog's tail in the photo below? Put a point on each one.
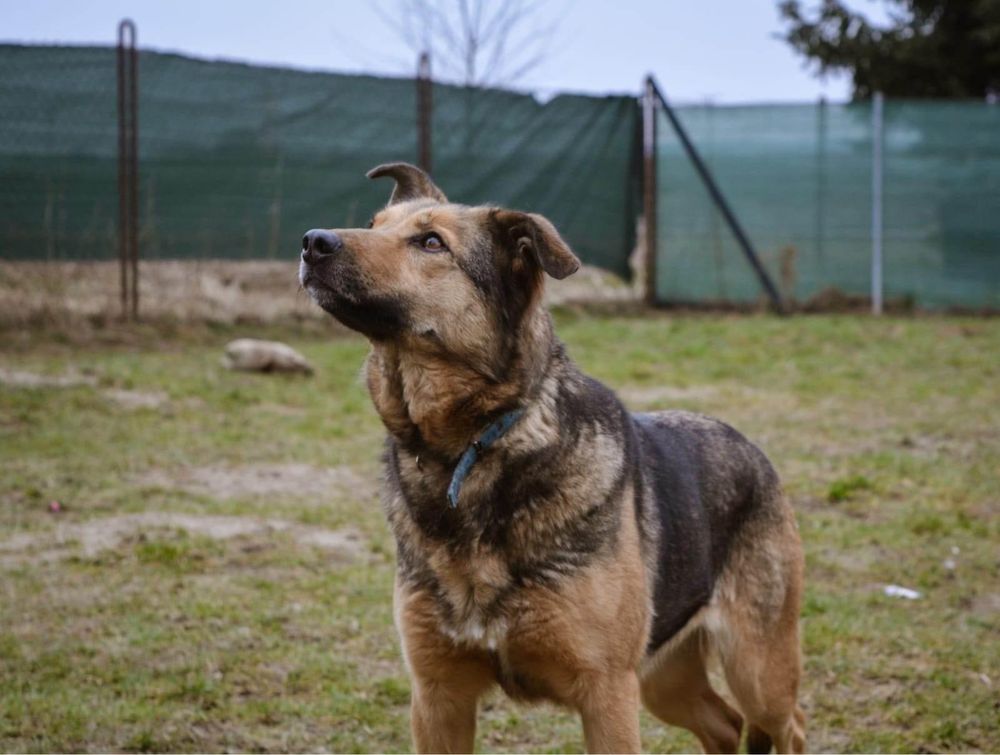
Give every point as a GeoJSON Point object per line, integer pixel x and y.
{"type": "Point", "coordinates": [757, 740]}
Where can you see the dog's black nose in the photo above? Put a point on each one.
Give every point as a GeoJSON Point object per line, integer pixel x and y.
{"type": "Point", "coordinates": [318, 243]}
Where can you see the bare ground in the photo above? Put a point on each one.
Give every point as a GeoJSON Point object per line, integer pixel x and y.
{"type": "Point", "coordinates": [91, 537]}
{"type": "Point", "coordinates": [226, 482]}
{"type": "Point", "coordinates": [123, 397]}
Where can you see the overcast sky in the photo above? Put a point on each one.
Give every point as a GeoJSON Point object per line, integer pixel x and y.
{"type": "Point", "coordinates": [719, 50]}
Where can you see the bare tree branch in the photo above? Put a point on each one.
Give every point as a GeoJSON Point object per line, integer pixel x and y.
{"type": "Point", "coordinates": [473, 42]}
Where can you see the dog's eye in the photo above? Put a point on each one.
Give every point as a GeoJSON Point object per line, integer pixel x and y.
{"type": "Point", "coordinates": [371, 223]}
{"type": "Point", "coordinates": [432, 243]}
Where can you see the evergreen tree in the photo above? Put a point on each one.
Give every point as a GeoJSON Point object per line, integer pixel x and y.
{"type": "Point", "coordinates": [931, 48]}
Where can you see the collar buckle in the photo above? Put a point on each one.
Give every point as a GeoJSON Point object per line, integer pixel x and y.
{"type": "Point", "coordinates": [487, 438]}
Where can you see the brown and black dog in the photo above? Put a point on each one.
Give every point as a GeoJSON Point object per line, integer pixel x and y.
{"type": "Point", "coordinates": [548, 540]}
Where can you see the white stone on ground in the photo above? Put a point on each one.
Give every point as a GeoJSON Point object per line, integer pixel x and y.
{"type": "Point", "coordinates": [255, 355]}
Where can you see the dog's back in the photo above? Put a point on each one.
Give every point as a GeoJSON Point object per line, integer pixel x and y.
{"type": "Point", "coordinates": [704, 481]}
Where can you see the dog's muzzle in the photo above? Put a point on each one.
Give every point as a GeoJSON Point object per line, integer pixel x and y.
{"type": "Point", "coordinates": [318, 245]}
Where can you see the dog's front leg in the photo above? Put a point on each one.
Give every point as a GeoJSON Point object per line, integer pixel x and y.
{"type": "Point", "coordinates": [443, 717]}
{"type": "Point", "coordinates": [447, 678]}
{"type": "Point", "coordinates": [610, 712]}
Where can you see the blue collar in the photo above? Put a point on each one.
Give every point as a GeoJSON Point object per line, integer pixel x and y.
{"type": "Point", "coordinates": [487, 438]}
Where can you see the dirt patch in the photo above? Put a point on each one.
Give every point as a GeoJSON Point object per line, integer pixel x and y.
{"type": "Point", "coordinates": [129, 399]}
{"type": "Point", "coordinates": [25, 379]}
{"type": "Point", "coordinates": [96, 535]}
{"type": "Point", "coordinates": [987, 605]}
{"type": "Point", "coordinates": [858, 560]}
{"type": "Point", "coordinates": [933, 446]}
{"type": "Point", "coordinates": [648, 395]}
{"type": "Point", "coordinates": [227, 482]}
{"type": "Point", "coordinates": [121, 397]}
{"type": "Point", "coordinates": [645, 396]}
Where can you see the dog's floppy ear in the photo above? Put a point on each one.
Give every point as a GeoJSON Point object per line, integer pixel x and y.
{"type": "Point", "coordinates": [411, 183]}
{"type": "Point", "coordinates": [531, 234]}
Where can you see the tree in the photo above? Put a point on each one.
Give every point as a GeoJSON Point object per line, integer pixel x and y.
{"type": "Point", "coordinates": [473, 42]}
{"type": "Point", "coordinates": [931, 48]}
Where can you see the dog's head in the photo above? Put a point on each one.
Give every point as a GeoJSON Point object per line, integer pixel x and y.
{"type": "Point", "coordinates": [427, 272]}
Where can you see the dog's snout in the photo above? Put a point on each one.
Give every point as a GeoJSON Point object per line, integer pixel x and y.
{"type": "Point", "coordinates": [319, 243]}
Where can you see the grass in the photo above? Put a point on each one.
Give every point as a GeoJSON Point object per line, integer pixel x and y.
{"type": "Point", "coordinates": [844, 488]}
{"type": "Point", "coordinates": [887, 433]}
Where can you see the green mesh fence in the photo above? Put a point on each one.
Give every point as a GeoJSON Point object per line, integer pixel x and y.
{"type": "Point", "coordinates": [798, 177]}
{"type": "Point", "coordinates": [238, 161]}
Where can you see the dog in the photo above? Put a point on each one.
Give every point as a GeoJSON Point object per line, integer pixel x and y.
{"type": "Point", "coordinates": [549, 541]}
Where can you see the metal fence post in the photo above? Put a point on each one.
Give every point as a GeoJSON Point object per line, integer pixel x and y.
{"type": "Point", "coordinates": [877, 140]}
{"type": "Point", "coordinates": [424, 110]}
{"type": "Point", "coordinates": [128, 168]}
{"type": "Point", "coordinates": [649, 187]}
{"type": "Point", "coordinates": [720, 202]}
{"type": "Point", "coordinates": [821, 200]}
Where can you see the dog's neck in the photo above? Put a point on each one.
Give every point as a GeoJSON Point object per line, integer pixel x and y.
{"type": "Point", "coordinates": [431, 400]}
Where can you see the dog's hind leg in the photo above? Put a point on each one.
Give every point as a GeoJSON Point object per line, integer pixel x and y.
{"type": "Point", "coordinates": [756, 632]}
{"type": "Point", "coordinates": [758, 741]}
{"type": "Point", "coordinates": [676, 689]}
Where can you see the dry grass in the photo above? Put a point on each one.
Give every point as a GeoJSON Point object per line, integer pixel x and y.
{"type": "Point", "coordinates": [68, 294]}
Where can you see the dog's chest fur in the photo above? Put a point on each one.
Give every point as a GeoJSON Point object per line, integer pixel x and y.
{"type": "Point", "coordinates": [472, 586]}
{"type": "Point", "coordinates": [464, 562]}
{"type": "Point", "coordinates": [542, 503]}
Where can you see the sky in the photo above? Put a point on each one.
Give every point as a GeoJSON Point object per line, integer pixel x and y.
{"type": "Point", "coordinates": [721, 51]}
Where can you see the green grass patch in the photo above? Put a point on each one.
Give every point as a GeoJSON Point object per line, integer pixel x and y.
{"type": "Point", "coordinates": [846, 487]}
{"type": "Point", "coordinates": [886, 433]}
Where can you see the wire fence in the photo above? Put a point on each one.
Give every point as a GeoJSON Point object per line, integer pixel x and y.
{"type": "Point", "coordinates": [237, 161]}
{"type": "Point", "coordinates": [799, 178]}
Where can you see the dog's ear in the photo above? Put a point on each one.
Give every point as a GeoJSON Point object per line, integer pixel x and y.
{"type": "Point", "coordinates": [411, 183]}
{"type": "Point", "coordinates": [533, 236]}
